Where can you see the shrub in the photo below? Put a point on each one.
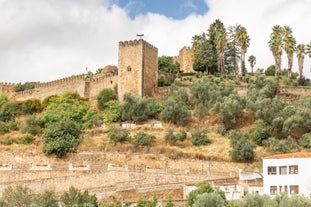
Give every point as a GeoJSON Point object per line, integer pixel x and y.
{"type": "Point", "coordinates": [175, 112]}
{"type": "Point", "coordinates": [104, 97]}
{"type": "Point", "coordinates": [61, 137]}
{"type": "Point", "coordinates": [17, 196]}
{"type": "Point", "coordinates": [305, 141]}
{"type": "Point", "coordinates": [139, 109]}
{"type": "Point", "coordinates": [209, 199]}
{"type": "Point", "coordinates": [255, 200]}
{"type": "Point", "coordinates": [141, 139]}
{"type": "Point", "coordinates": [222, 130]}
{"type": "Point", "coordinates": [201, 189]}
{"type": "Point", "coordinates": [118, 135]}
{"type": "Point", "coordinates": [181, 135]}
{"type": "Point", "coordinates": [112, 112]}
{"type": "Point", "coordinates": [31, 125]}
{"type": "Point", "coordinates": [199, 137]}
{"type": "Point", "coordinates": [170, 136]}
{"type": "Point", "coordinates": [242, 148]}
{"type": "Point", "coordinates": [74, 197]}
{"type": "Point", "coordinates": [260, 133]}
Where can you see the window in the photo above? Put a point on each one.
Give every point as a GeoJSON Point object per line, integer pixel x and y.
{"type": "Point", "coordinates": [273, 190]}
{"type": "Point", "coordinates": [283, 170]}
{"type": "Point", "coordinates": [129, 68]}
{"type": "Point", "coordinates": [285, 189]}
{"type": "Point", "coordinates": [271, 170]}
{"type": "Point", "coordinates": [294, 189]}
{"type": "Point", "coordinates": [293, 169]}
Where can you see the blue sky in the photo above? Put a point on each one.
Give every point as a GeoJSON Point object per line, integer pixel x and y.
{"type": "Point", "coordinates": [176, 9]}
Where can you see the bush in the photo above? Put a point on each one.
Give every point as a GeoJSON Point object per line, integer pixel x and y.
{"type": "Point", "coordinates": [112, 112]}
{"type": "Point", "coordinates": [61, 137]}
{"type": "Point", "coordinates": [31, 125]}
{"type": "Point", "coordinates": [116, 135]}
{"type": "Point", "coordinates": [305, 141]}
{"type": "Point", "coordinates": [141, 139]}
{"type": "Point", "coordinates": [6, 127]}
{"type": "Point", "coordinates": [255, 200]}
{"type": "Point", "coordinates": [199, 137]}
{"type": "Point", "coordinates": [242, 148]}
{"type": "Point", "coordinates": [69, 107]}
{"type": "Point", "coordinates": [209, 199]}
{"type": "Point", "coordinates": [170, 136]}
{"type": "Point", "coordinates": [260, 133]}
{"type": "Point", "coordinates": [75, 198]}
{"type": "Point", "coordinates": [175, 112]}
{"type": "Point", "coordinates": [139, 109]}
{"type": "Point", "coordinates": [104, 97]}
{"type": "Point", "coordinates": [201, 189]}
{"type": "Point", "coordinates": [17, 196]}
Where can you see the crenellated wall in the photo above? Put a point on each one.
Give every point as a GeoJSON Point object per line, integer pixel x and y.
{"type": "Point", "coordinates": [185, 59]}
{"type": "Point", "coordinates": [88, 88]}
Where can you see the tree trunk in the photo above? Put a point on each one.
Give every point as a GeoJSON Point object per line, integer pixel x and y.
{"type": "Point", "coordinates": [290, 65]}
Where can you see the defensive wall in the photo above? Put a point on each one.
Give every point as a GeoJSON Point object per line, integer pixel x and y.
{"type": "Point", "coordinates": [84, 86]}
{"type": "Point", "coordinates": [185, 59]}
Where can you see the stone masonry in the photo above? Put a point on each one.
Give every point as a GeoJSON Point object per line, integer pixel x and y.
{"type": "Point", "coordinates": [137, 68]}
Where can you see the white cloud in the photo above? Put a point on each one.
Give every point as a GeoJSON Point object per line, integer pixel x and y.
{"type": "Point", "coordinates": [41, 40]}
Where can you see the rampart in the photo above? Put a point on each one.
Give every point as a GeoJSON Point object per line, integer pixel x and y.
{"type": "Point", "coordinates": [185, 59]}
{"type": "Point", "coordinates": [85, 87]}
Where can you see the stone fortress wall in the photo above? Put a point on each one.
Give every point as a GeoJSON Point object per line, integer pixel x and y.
{"type": "Point", "coordinates": [186, 59]}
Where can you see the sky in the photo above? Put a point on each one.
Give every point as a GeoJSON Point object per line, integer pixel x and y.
{"type": "Point", "coordinates": [44, 40]}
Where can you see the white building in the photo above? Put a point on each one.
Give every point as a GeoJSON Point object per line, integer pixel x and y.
{"type": "Point", "coordinates": [287, 173]}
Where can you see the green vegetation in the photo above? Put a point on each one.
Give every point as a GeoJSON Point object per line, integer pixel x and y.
{"type": "Point", "coordinates": [24, 86]}
{"type": "Point", "coordinates": [167, 65]}
{"type": "Point", "coordinates": [61, 137]}
{"type": "Point", "coordinates": [142, 139]}
{"type": "Point", "coordinates": [116, 135]}
{"type": "Point", "coordinates": [104, 97]}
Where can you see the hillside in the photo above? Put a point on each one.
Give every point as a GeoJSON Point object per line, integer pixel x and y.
{"type": "Point", "coordinates": [158, 167]}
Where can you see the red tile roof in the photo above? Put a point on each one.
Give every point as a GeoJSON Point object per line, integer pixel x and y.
{"type": "Point", "coordinates": [290, 155]}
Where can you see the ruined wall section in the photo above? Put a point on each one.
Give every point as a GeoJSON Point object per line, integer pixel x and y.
{"type": "Point", "coordinates": [186, 59]}
{"type": "Point", "coordinates": [57, 87]}
{"type": "Point", "coordinates": [150, 69]}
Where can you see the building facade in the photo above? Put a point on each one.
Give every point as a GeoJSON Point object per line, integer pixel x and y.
{"type": "Point", "coordinates": [287, 173]}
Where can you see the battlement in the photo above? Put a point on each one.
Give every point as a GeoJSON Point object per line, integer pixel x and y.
{"type": "Point", "coordinates": [186, 48]}
{"type": "Point", "coordinates": [66, 80]}
{"type": "Point", "coordinates": [132, 43]}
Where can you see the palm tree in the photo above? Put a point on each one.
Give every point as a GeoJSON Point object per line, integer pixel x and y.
{"type": "Point", "coordinates": [243, 39]}
{"type": "Point", "coordinates": [218, 31]}
{"type": "Point", "coordinates": [308, 50]}
{"type": "Point", "coordinates": [252, 61]}
{"type": "Point", "coordinates": [275, 44]}
{"type": "Point", "coordinates": [300, 51]}
{"type": "Point", "coordinates": [289, 47]}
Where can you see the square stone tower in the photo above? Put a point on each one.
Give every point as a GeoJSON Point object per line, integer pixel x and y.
{"type": "Point", "coordinates": [137, 68]}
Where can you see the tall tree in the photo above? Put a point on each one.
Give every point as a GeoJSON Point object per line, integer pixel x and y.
{"type": "Point", "coordinates": [243, 39]}
{"type": "Point", "coordinates": [289, 43]}
{"type": "Point", "coordinates": [252, 61]}
{"type": "Point", "coordinates": [300, 51]}
{"type": "Point", "coordinates": [205, 58]}
{"type": "Point", "coordinates": [308, 50]}
{"type": "Point", "coordinates": [218, 34]}
{"type": "Point", "coordinates": [233, 51]}
{"type": "Point", "coordinates": [275, 44]}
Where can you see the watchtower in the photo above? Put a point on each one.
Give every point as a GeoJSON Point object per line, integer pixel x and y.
{"type": "Point", "coordinates": [137, 68]}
